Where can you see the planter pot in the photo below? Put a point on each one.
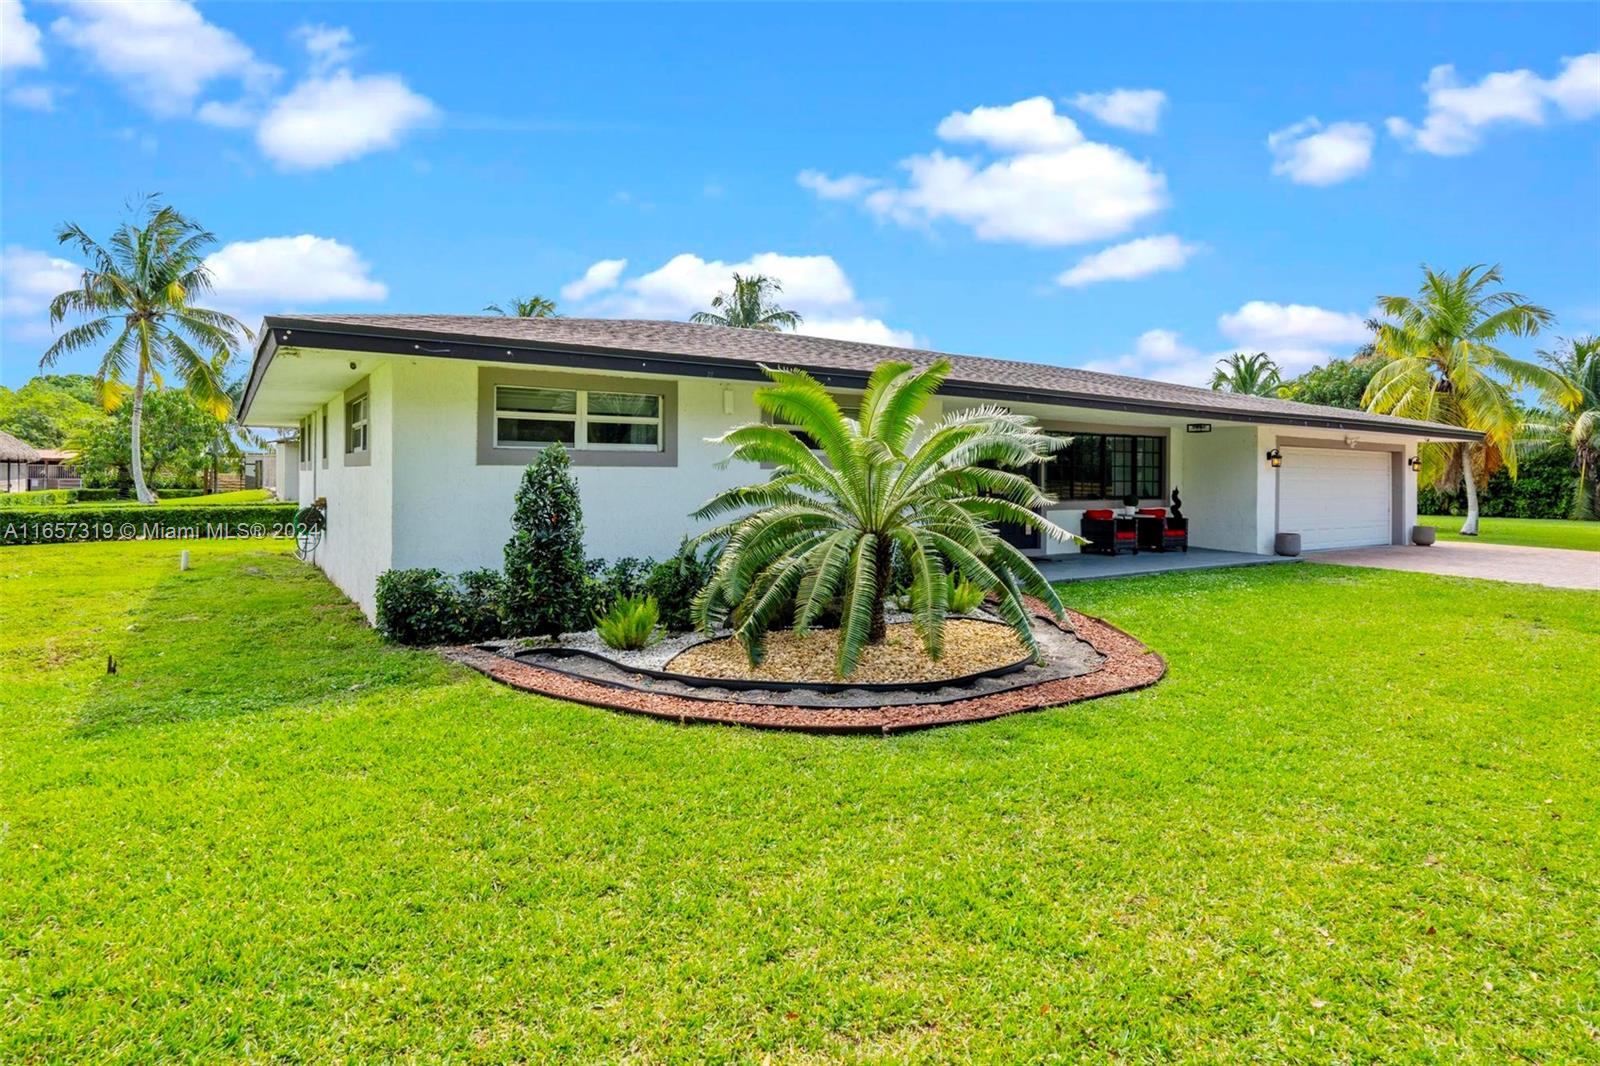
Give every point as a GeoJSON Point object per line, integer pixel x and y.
{"type": "Point", "coordinates": [1287, 544]}
{"type": "Point", "coordinates": [1422, 536]}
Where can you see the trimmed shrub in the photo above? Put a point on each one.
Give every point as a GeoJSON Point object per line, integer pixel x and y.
{"type": "Point", "coordinates": [178, 494]}
{"type": "Point", "coordinates": [420, 607]}
{"type": "Point", "coordinates": [483, 594]}
{"type": "Point", "coordinates": [40, 498]}
{"type": "Point", "coordinates": [629, 624]}
{"type": "Point", "coordinates": [675, 583]}
{"type": "Point", "coordinates": [95, 495]}
{"type": "Point", "coordinates": [546, 587]}
{"type": "Point", "coordinates": [135, 522]}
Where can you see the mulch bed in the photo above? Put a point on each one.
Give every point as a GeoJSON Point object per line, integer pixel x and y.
{"type": "Point", "coordinates": [1128, 665]}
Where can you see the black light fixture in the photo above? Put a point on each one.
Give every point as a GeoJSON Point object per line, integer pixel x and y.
{"type": "Point", "coordinates": [1274, 458]}
{"type": "Point", "coordinates": [1415, 463]}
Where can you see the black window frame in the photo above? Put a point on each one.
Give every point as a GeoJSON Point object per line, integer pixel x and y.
{"type": "Point", "coordinates": [1095, 465]}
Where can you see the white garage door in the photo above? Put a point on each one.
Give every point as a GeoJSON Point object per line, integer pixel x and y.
{"type": "Point", "coordinates": [1334, 498]}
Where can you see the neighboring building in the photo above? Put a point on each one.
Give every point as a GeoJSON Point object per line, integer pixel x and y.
{"type": "Point", "coordinates": [416, 429]}
{"type": "Point", "coordinates": [16, 456]}
{"type": "Point", "coordinates": [54, 470]}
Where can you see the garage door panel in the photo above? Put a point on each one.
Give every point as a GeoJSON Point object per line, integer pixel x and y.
{"type": "Point", "coordinates": [1335, 498]}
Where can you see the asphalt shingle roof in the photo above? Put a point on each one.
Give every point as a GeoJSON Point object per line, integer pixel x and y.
{"type": "Point", "coordinates": [970, 374]}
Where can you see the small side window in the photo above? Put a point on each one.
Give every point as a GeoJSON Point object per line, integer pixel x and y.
{"type": "Point", "coordinates": [355, 426]}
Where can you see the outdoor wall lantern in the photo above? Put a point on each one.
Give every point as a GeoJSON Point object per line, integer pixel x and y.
{"type": "Point", "coordinates": [1274, 458]}
{"type": "Point", "coordinates": [1415, 463]}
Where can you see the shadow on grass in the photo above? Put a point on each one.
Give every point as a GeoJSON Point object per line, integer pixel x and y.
{"type": "Point", "coordinates": [245, 634]}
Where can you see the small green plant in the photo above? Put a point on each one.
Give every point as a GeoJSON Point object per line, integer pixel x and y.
{"type": "Point", "coordinates": [606, 583]}
{"type": "Point", "coordinates": [630, 623]}
{"type": "Point", "coordinates": [675, 583]}
{"type": "Point", "coordinates": [965, 596]}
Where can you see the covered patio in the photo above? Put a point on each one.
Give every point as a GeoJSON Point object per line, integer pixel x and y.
{"type": "Point", "coordinates": [1089, 567]}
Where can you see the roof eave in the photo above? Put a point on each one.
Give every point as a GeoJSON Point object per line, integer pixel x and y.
{"type": "Point", "coordinates": [322, 334]}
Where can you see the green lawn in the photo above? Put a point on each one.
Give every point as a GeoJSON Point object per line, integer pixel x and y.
{"type": "Point", "coordinates": [1357, 823]}
{"type": "Point", "coordinates": [1528, 532]}
{"type": "Point", "coordinates": [237, 496]}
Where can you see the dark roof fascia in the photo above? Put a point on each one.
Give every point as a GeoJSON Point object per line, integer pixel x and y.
{"type": "Point", "coordinates": [287, 332]}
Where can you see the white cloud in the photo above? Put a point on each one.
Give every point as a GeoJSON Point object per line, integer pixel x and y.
{"type": "Point", "coordinates": [814, 285]}
{"type": "Point", "coordinates": [31, 279]}
{"type": "Point", "coordinates": [858, 328]}
{"type": "Point", "coordinates": [19, 39]}
{"type": "Point", "coordinates": [1296, 336]}
{"type": "Point", "coordinates": [32, 97]}
{"type": "Point", "coordinates": [1162, 355]}
{"type": "Point", "coordinates": [237, 115]}
{"type": "Point", "coordinates": [1025, 126]}
{"type": "Point", "coordinates": [277, 272]}
{"type": "Point", "coordinates": [844, 187]}
{"type": "Point", "coordinates": [1124, 262]}
{"type": "Point", "coordinates": [328, 46]}
{"type": "Point", "coordinates": [597, 279]}
{"type": "Point", "coordinates": [1457, 114]}
{"type": "Point", "coordinates": [331, 119]}
{"type": "Point", "coordinates": [163, 51]}
{"type": "Point", "coordinates": [1048, 186]}
{"type": "Point", "coordinates": [1129, 109]}
{"type": "Point", "coordinates": [1308, 154]}
{"type": "Point", "coordinates": [1265, 323]}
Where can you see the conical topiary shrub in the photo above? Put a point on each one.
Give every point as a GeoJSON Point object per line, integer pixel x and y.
{"type": "Point", "coordinates": [544, 557]}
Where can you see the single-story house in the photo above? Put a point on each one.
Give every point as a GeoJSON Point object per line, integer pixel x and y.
{"type": "Point", "coordinates": [415, 429]}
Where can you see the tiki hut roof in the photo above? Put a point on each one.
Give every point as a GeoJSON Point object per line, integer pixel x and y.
{"type": "Point", "coordinates": [13, 450]}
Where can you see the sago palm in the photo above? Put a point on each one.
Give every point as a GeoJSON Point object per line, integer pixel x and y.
{"type": "Point", "coordinates": [1443, 365]}
{"type": "Point", "coordinates": [826, 528]}
{"type": "Point", "coordinates": [525, 307]}
{"type": "Point", "coordinates": [1575, 421]}
{"type": "Point", "coordinates": [1250, 375]}
{"type": "Point", "coordinates": [136, 291]}
{"type": "Point", "coordinates": [749, 306]}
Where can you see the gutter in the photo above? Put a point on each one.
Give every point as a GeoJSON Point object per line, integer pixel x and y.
{"type": "Point", "coordinates": [283, 332]}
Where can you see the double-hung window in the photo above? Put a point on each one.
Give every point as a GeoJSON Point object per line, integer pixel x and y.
{"type": "Point", "coordinates": [584, 419]}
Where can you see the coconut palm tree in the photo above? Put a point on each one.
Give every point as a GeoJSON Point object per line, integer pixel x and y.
{"type": "Point", "coordinates": [827, 528]}
{"type": "Point", "coordinates": [138, 290]}
{"type": "Point", "coordinates": [1250, 375]}
{"type": "Point", "coordinates": [1443, 366]}
{"type": "Point", "coordinates": [749, 306]}
{"type": "Point", "coordinates": [535, 306]}
{"type": "Point", "coordinates": [1577, 421]}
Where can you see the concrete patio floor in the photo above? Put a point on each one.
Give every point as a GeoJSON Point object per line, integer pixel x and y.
{"type": "Point", "coordinates": [1082, 567]}
{"type": "Point", "coordinates": [1560, 568]}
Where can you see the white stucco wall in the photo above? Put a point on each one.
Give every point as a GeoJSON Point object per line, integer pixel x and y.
{"type": "Point", "coordinates": [286, 455]}
{"type": "Point", "coordinates": [456, 514]}
{"type": "Point", "coordinates": [425, 500]}
{"type": "Point", "coordinates": [358, 544]}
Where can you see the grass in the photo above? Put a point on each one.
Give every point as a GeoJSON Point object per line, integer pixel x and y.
{"type": "Point", "coordinates": [1357, 823]}
{"type": "Point", "coordinates": [236, 496]}
{"type": "Point", "coordinates": [1528, 532]}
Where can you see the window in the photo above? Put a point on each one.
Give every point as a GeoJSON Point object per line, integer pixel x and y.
{"type": "Point", "coordinates": [355, 426]}
{"type": "Point", "coordinates": [307, 424]}
{"type": "Point", "coordinates": [322, 438]}
{"type": "Point", "coordinates": [849, 410]}
{"type": "Point", "coordinates": [1101, 466]}
{"type": "Point", "coordinates": [588, 420]}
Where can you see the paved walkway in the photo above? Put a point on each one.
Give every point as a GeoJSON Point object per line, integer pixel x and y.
{"type": "Point", "coordinates": [1086, 567]}
{"type": "Point", "coordinates": [1559, 568]}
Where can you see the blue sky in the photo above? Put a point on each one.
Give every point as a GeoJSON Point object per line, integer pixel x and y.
{"type": "Point", "coordinates": [1136, 189]}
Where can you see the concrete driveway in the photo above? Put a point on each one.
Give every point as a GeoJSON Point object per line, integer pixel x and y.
{"type": "Point", "coordinates": [1558, 568]}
